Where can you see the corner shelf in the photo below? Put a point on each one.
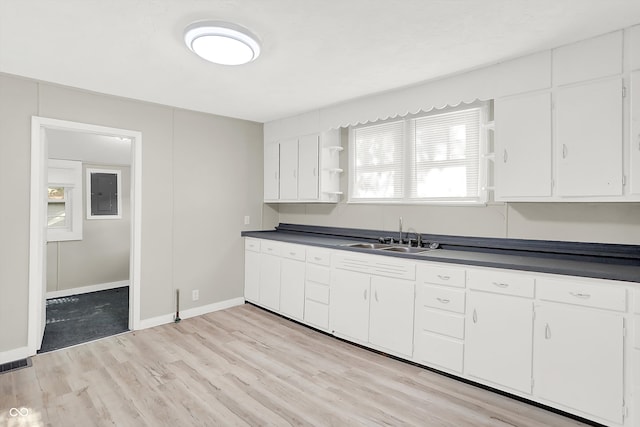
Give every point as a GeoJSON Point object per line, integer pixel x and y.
{"type": "Point", "coordinates": [335, 148]}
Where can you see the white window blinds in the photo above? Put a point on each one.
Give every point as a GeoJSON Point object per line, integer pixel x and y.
{"type": "Point", "coordinates": [433, 157]}
{"type": "Point", "coordinates": [378, 159]}
{"type": "Point", "coordinates": [445, 155]}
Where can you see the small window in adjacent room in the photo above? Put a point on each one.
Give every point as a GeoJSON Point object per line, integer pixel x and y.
{"type": "Point", "coordinates": [64, 200]}
{"type": "Point", "coordinates": [103, 194]}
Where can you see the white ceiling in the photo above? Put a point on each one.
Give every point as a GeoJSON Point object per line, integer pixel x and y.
{"type": "Point", "coordinates": [315, 52]}
{"type": "Point", "coordinates": [88, 148]}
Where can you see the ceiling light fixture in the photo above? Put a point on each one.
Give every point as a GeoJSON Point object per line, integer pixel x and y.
{"type": "Point", "coordinates": [222, 42]}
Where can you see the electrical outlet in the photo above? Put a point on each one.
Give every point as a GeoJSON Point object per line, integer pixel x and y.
{"type": "Point", "coordinates": [195, 295]}
{"type": "Point", "coordinates": [247, 220]}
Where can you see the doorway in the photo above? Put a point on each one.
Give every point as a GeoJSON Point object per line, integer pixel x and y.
{"type": "Point", "coordinates": [44, 131]}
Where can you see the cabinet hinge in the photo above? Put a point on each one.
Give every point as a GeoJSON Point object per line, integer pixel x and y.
{"type": "Point", "coordinates": [624, 332]}
{"type": "Point", "coordinates": [624, 180]}
{"type": "Point", "coordinates": [625, 411]}
{"type": "Point", "coordinates": [624, 91]}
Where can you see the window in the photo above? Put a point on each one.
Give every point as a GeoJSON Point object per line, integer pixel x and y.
{"type": "Point", "coordinates": [427, 158]}
{"type": "Point", "coordinates": [103, 194]}
{"type": "Point", "coordinates": [64, 200]}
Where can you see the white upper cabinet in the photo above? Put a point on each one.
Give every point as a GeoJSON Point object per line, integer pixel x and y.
{"type": "Point", "coordinates": [289, 169]}
{"type": "Point", "coordinates": [589, 142]}
{"type": "Point", "coordinates": [588, 59]}
{"type": "Point", "coordinates": [308, 161]}
{"type": "Point", "coordinates": [305, 169]}
{"type": "Point", "coordinates": [271, 171]}
{"type": "Point", "coordinates": [523, 146]}
{"type": "Point", "coordinates": [634, 149]}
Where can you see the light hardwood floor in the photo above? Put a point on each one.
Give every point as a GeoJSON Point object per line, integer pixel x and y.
{"type": "Point", "coordinates": [244, 366]}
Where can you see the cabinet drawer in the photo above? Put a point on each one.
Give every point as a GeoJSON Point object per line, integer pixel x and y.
{"type": "Point", "coordinates": [441, 298]}
{"type": "Point", "coordinates": [501, 282]}
{"type": "Point", "coordinates": [376, 265]}
{"type": "Point", "coordinates": [318, 274]}
{"type": "Point", "coordinates": [607, 297]}
{"type": "Point", "coordinates": [440, 275]}
{"type": "Point", "coordinates": [440, 351]}
{"type": "Point", "coordinates": [316, 314]}
{"type": "Point", "coordinates": [252, 244]}
{"type": "Point", "coordinates": [270, 247]}
{"type": "Point", "coordinates": [317, 292]}
{"type": "Point", "coordinates": [439, 322]}
{"type": "Point", "coordinates": [319, 256]}
{"type": "Point", "coordinates": [293, 252]}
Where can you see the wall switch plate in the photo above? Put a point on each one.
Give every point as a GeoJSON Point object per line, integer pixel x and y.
{"type": "Point", "coordinates": [195, 295]}
{"type": "Point", "coordinates": [247, 220]}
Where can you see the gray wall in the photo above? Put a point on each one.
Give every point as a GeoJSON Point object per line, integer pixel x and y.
{"type": "Point", "coordinates": [102, 256]}
{"type": "Point", "coordinates": [579, 222]}
{"type": "Point", "coordinates": [200, 175]}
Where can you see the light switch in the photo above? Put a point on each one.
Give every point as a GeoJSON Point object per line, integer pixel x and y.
{"type": "Point", "coordinates": [247, 220]}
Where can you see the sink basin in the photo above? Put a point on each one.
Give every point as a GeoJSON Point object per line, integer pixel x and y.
{"type": "Point", "coordinates": [369, 245]}
{"type": "Point", "coordinates": [405, 249]}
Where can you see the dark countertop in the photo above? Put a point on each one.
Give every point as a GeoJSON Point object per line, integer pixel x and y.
{"type": "Point", "coordinates": [600, 261]}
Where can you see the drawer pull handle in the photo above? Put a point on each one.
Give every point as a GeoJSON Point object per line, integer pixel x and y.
{"type": "Point", "coordinates": [443, 300]}
{"type": "Point", "coordinates": [501, 285]}
{"type": "Point", "coordinates": [475, 316]}
{"type": "Point", "coordinates": [317, 258]}
{"type": "Point", "coordinates": [580, 295]}
{"type": "Point", "coordinates": [441, 277]}
{"type": "Point", "coordinates": [375, 293]}
{"type": "Point", "coordinates": [365, 294]}
{"type": "Point", "coordinates": [269, 249]}
{"type": "Point", "coordinates": [547, 332]}
{"type": "Point", "coordinates": [292, 253]}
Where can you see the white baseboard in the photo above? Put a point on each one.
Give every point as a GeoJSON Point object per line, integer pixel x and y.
{"type": "Point", "coordinates": [191, 312]}
{"type": "Point", "coordinates": [86, 289]}
{"type": "Point", "coordinates": [15, 354]}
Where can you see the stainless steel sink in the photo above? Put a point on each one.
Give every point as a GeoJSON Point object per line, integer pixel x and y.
{"type": "Point", "coordinates": [369, 245]}
{"type": "Point", "coordinates": [405, 249]}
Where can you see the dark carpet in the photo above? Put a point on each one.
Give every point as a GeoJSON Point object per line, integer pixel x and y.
{"type": "Point", "coordinates": [81, 318]}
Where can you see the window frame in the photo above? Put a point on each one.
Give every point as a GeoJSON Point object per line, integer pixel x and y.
{"type": "Point", "coordinates": [67, 174]}
{"type": "Point", "coordinates": [409, 184]}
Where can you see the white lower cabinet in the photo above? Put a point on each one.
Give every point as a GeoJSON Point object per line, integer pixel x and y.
{"type": "Point", "coordinates": [349, 306]}
{"type": "Point", "coordinates": [269, 294]}
{"type": "Point", "coordinates": [391, 314]}
{"type": "Point", "coordinates": [292, 288]}
{"type": "Point", "coordinates": [318, 279]}
{"type": "Point", "coordinates": [251, 276]}
{"type": "Point", "coordinates": [498, 343]}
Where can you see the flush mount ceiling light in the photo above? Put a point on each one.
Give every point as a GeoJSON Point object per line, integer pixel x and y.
{"type": "Point", "coordinates": [222, 42]}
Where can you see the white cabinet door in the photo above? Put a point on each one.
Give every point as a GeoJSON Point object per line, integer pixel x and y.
{"type": "Point", "coordinates": [589, 139]}
{"type": "Point", "coordinates": [391, 314]}
{"type": "Point", "coordinates": [292, 275]}
{"type": "Point", "coordinates": [634, 151]}
{"type": "Point", "coordinates": [289, 169]}
{"type": "Point", "coordinates": [308, 167]}
{"type": "Point", "coordinates": [271, 171]}
{"type": "Point", "coordinates": [523, 146]}
{"type": "Point", "coordinates": [251, 276]}
{"type": "Point", "coordinates": [269, 293]}
{"type": "Point", "coordinates": [498, 344]}
{"type": "Point", "coordinates": [579, 360]}
{"type": "Point", "coordinates": [349, 304]}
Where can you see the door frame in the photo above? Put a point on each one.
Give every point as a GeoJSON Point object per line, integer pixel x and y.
{"type": "Point", "coordinates": [38, 215]}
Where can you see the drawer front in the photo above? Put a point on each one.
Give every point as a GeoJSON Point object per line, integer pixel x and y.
{"type": "Point", "coordinates": [501, 282]}
{"type": "Point", "coordinates": [296, 252]}
{"type": "Point", "coordinates": [316, 314]}
{"type": "Point", "coordinates": [270, 247]}
{"type": "Point", "coordinates": [318, 274]}
{"type": "Point", "coordinates": [441, 298]}
{"type": "Point", "coordinates": [440, 322]}
{"type": "Point", "coordinates": [317, 292]}
{"type": "Point", "coordinates": [251, 244]}
{"type": "Point", "coordinates": [319, 256]}
{"type": "Point", "coordinates": [439, 351]}
{"type": "Point", "coordinates": [377, 265]}
{"type": "Point", "coordinates": [441, 275]}
{"type": "Point", "coordinates": [589, 295]}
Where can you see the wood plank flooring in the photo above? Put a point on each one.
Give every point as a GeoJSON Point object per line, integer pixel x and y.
{"type": "Point", "coordinates": [245, 367]}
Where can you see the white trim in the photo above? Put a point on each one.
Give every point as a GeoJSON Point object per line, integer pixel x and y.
{"type": "Point", "coordinates": [191, 312]}
{"type": "Point", "coordinates": [72, 180]}
{"type": "Point", "coordinates": [118, 174]}
{"type": "Point", "coordinates": [86, 289]}
{"type": "Point", "coordinates": [14, 354]}
{"type": "Point", "coordinates": [37, 259]}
